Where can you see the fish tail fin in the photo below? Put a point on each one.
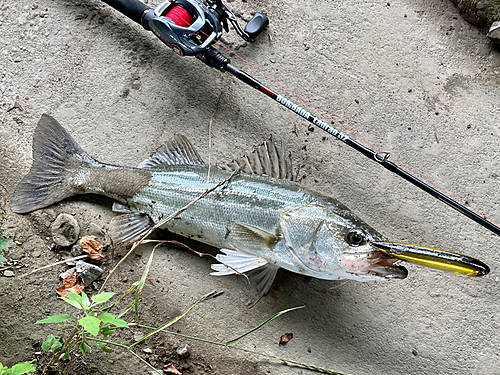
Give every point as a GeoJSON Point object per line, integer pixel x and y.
{"type": "Point", "coordinates": [56, 158]}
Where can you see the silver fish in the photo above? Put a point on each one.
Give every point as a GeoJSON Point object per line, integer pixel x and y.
{"type": "Point", "coordinates": [260, 219]}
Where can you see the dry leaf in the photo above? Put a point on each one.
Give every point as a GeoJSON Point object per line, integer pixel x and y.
{"type": "Point", "coordinates": [92, 247]}
{"type": "Point", "coordinates": [171, 369]}
{"type": "Point", "coordinates": [70, 284]}
{"type": "Point", "coordinates": [285, 338]}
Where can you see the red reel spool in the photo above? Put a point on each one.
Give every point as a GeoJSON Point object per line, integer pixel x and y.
{"type": "Point", "coordinates": [180, 16]}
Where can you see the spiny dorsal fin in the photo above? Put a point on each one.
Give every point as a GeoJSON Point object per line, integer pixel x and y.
{"type": "Point", "coordinates": [268, 159]}
{"type": "Point", "coordinates": [177, 151]}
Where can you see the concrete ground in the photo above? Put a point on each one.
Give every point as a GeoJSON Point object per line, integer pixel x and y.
{"type": "Point", "coordinates": [411, 77]}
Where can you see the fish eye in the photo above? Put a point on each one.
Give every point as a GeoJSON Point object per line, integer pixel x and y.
{"type": "Point", "coordinates": [355, 237]}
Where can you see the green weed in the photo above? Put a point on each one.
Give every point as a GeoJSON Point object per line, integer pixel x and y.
{"type": "Point", "coordinates": [3, 245]}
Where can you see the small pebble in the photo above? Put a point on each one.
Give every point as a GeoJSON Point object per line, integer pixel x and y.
{"type": "Point", "coordinates": [8, 273]}
{"type": "Point", "coordinates": [88, 272]}
{"type": "Point", "coordinates": [147, 350]}
{"type": "Point", "coordinates": [183, 351]}
{"type": "Point", "coordinates": [65, 230]}
{"type": "Point", "coordinates": [138, 336]}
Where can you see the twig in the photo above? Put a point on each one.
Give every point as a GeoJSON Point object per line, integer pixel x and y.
{"type": "Point", "coordinates": [51, 265]}
{"type": "Point", "coordinates": [206, 192]}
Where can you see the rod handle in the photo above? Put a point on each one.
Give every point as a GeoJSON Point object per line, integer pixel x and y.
{"type": "Point", "coordinates": [133, 9]}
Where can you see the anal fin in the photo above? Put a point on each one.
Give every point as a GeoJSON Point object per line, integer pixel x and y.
{"type": "Point", "coordinates": [129, 227]}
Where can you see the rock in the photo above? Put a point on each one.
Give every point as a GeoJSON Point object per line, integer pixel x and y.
{"type": "Point", "coordinates": [494, 32]}
{"type": "Point", "coordinates": [88, 272]}
{"type": "Point", "coordinates": [184, 351]}
{"type": "Point", "coordinates": [8, 273]}
{"type": "Point", "coordinates": [65, 230]}
{"type": "Point", "coordinates": [147, 350]}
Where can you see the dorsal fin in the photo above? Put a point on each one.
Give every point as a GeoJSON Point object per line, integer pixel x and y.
{"type": "Point", "coordinates": [177, 151]}
{"type": "Point", "coordinates": [268, 159]}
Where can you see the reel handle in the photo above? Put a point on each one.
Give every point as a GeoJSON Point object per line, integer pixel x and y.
{"type": "Point", "coordinates": [256, 25]}
{"type": "Point", "coordinates": [133, 9]}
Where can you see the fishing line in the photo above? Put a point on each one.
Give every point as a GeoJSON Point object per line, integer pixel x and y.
{"type": "Point", "coordinates": [204, 22]}
{"type": "Point", "coordinates": [180, 16]}
{"type": "Point", "coordinates": [387, 155]}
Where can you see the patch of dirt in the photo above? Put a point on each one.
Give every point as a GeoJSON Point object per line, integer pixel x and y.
{"type": "Point", "coordinates": [411, 77]}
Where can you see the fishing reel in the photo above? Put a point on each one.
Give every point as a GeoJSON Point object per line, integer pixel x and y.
{"type": "Point", "coordinates": [190, 27]}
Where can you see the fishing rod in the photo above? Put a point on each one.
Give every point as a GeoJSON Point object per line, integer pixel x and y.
{"type": "Point", "coordinates": [191, 27]}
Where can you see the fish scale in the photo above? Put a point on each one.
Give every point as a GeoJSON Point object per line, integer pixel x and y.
{"type": "Point", "coordinates": [245, 199]}
{"type": "Point", "coordinates": [260, 223]}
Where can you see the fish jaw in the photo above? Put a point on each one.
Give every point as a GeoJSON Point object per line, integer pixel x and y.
{"type": "Point", "coordinates": [371, 265]}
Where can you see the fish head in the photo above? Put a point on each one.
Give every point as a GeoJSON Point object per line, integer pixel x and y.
{"type": "Point", "coordinates": [332, 243]}
{"type": "Point", "coordinates": [335, 244]}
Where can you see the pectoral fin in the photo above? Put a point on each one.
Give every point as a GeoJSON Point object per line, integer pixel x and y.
{"type": "Point", "coordinates": [260, 273]}
{"type": "Point", "coordinates": [249, 238]}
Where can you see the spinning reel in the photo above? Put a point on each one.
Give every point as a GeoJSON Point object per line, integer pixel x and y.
{"type": "Point", "coordinates": [190, 27]}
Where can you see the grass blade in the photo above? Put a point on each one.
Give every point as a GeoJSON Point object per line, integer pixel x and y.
{"type": "Point", "coordinates": [262, 324]}
{"type": "Point", "coordinates": [140, 286]}
{"type": "Point", "coordinates": [173, 320]}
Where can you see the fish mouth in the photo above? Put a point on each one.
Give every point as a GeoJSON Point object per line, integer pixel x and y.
{"type": "Point", "coordinates": [430, 257]}
{"type": "Point", "coordinates": [384, 266]}
{"type": "Point", "coordinates": [373, 265]}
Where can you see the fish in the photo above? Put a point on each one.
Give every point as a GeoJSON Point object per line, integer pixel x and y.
{"type": "Point", "coordinates": [261, 218]}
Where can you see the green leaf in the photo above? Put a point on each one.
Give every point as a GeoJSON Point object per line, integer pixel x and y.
{"type": "Point", "coordinates": [51, 344]}
{"type": "Point", "coordinates": [73, 299]}
{"type": "Point", "coordinates": [103, 297]}
{"type": "Point", "coordinates": [66, 355]}
{"type": "Point", "coordinates": [85, 300]}
{"type": "Point", "coordinates": [23, 368]}
{"type": "Point", "coordinates": [3, 243]}
{"type": "Point", "coordinates": [112, 319]}
{"type": "Point", "coordinates": [107, 331]}
{"type": "Point", "coordinates": [85, 348]}
{"type": "Point", "coordinates": [55, 319]}
{"type": "Point", "coordinates": [90, 324]}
